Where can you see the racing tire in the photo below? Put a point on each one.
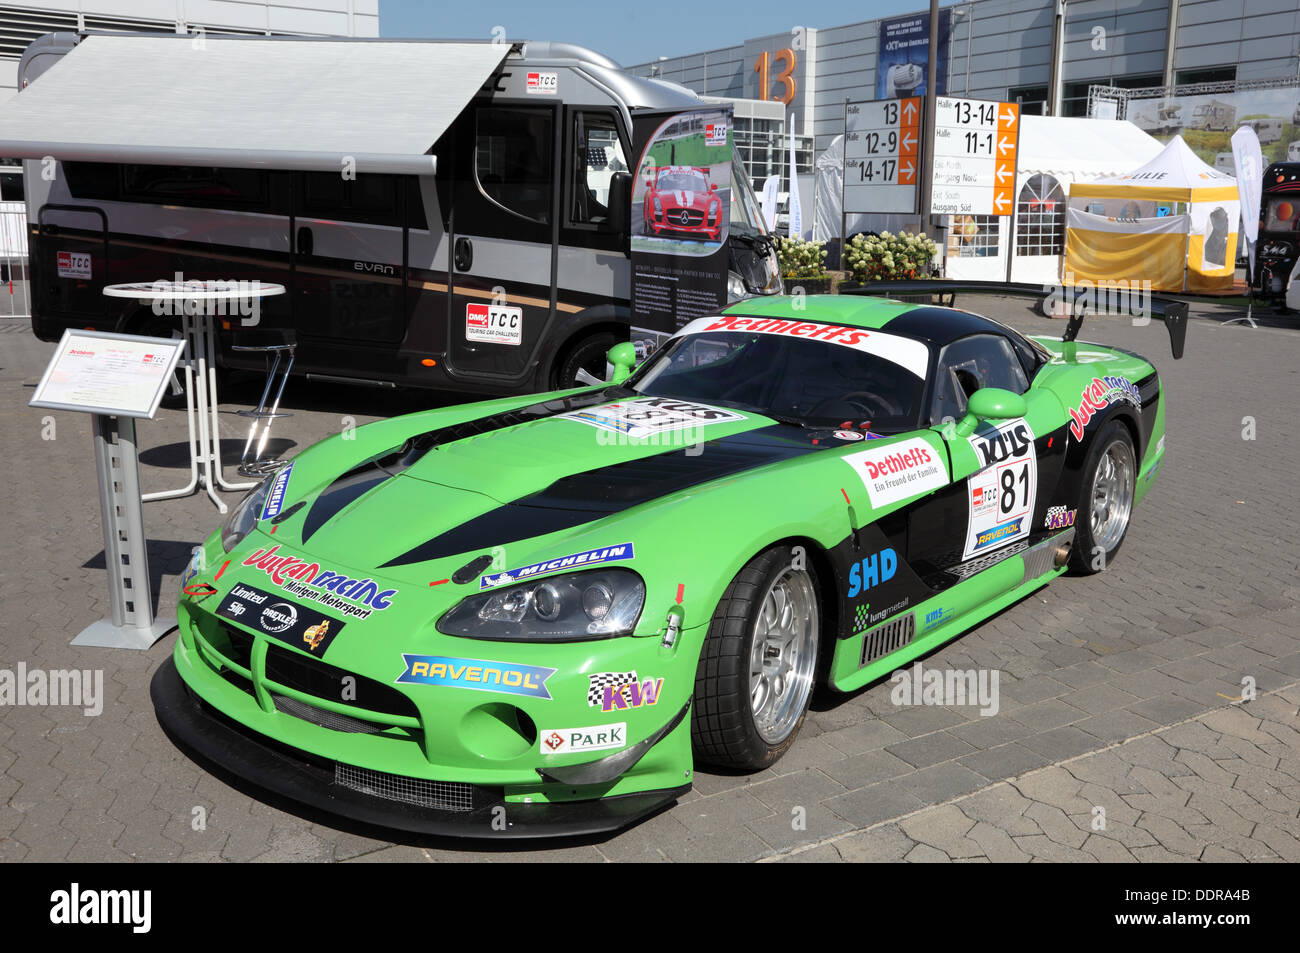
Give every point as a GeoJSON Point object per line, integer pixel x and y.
{"type": "Point", "coordinates": [1105, 500]}
{"type": "Point", "coordinates": [758, 664]}
{"type": "Point", "coordinates": [588, 354]}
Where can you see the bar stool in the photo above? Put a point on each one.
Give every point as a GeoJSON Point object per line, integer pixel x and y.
{"type": "Point", "coordinates": [277, 346]}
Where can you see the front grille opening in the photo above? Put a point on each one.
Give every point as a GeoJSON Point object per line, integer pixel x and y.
{"type": "Point", "coordinates": [323, 718]}
{"type": "Point", "coordinates": [887, 638]}
{"type": "Point", "coordinates": [313, 677]}
{"type": "Point", "coordinates": [421, 792]}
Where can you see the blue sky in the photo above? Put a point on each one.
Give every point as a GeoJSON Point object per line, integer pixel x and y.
{"type": "Point", "coordinates": [631, 33]}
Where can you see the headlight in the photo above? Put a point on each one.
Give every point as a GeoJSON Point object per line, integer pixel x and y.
{"type": "Point", "coordinates": [735, 287]}
{"type": "Point", "coordinates": [244, 516]}
{"type": "Point", "coordinates": [659, 209]}
{"type": "Point", "coordinates": [569, 608]}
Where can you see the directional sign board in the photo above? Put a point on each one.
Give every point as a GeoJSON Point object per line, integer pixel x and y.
{"type": "Point", "coordinates": [882, 155]}
{"type": "Point", "coordinates": [974, 157]}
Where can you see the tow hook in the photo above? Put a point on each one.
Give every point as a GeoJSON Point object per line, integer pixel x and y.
{"type": "Point", "coordinates": [673, 626]}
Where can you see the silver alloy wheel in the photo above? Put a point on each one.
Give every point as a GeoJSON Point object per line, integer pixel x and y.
{"type": "Point", "coordinates": [1112, 495]}
{"type": "Point", "coordinates": [783, 655]}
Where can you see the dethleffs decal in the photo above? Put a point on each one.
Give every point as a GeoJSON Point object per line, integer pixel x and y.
{"type": "Point", "coordinates": [651, 415]}
{"type": "Point", "coordinates": [308, 580]}
{"type": "Point", "coordinates": [1098, 394]}
{"type": "Point", "coordinates": [591, 557]}
{"type": "Point", "coordinates": [907, 353]}
{"type": "Point", "coordinates": [899, 471]}
{"type": "Point", "coordinates": [275, 499]}
{"type": "Point", "coordinates": [292, 624]}
{"type": "Point", "coordinates": [1000, 497]}
{"type": "Point", "coordinates": [480, 675]}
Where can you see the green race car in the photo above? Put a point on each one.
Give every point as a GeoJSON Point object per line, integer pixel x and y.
{"type": "Point", "coordinates": [530, 616]}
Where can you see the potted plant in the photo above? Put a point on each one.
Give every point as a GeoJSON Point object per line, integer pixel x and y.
{"type": "Point", "coordinates": [889, 257]}
{"type": "Point", "coordinates": [802, 265]}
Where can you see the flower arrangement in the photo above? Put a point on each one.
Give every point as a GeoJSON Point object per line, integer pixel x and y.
{"type": "Point", "coordinates": [800, 259]}
{"type": "Point", "coordinates": [887, 257]}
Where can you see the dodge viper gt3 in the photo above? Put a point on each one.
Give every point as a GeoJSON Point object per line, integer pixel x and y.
{"type": "Point", "coordinates": [532, 616]}
{"type": "Point", "coordinates": [679, 200]}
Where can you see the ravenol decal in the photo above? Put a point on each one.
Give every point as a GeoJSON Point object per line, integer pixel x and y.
{"type": "Point", "coordinates": [480, 675]}
{"type": "Point", "coordinates": [354, 597]}
{"type": "Point", "coordinates": [872, 571]}
{"type": "Point", "coordinates": [610, 554]}
{"type": "Point", "coordinates": [1098, 394]}
{"type": "Point", "coordinates": [998, 534]}
{"type": "Point", "coordinates": [275, 499]}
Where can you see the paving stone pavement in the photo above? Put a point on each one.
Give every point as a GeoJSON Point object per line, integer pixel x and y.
{"type": "Point", "coordinates": [1116, 690]}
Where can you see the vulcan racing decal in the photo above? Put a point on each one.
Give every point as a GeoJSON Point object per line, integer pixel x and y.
{"type": "Point", "coordinates": [907, 353]}
{"type": "Point", "coordinates": [899, 471]}
{"type": "Point", "coordinates": [480, 675]}
{"type": "Point", "coordinates": [652, 415]}
{"type": "Point", "coordinates": [1000, 497]}
{"type": "Point", "coordinates": [1098, 394]}
{"type": "Point", "coordinates": [591, 557]}
{"type": "Point", "coordinates": [353, 597]}
{"type": "Point", "coordinates": [292, 624]}
{"type": "Point", "coordinates": [275, 499]}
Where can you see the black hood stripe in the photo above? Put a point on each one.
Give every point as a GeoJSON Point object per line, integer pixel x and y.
{"type": "Point", "coordinates": [594, 494]}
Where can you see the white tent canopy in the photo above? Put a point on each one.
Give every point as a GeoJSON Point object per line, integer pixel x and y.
{"type": "Point", "coordinates": [279, 103]}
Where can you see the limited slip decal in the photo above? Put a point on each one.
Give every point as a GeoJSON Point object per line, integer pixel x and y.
{"type": "Point", "coordinates": [595, 738]}
{"type": "Point", "coordinates": [297, 625]}
{"type": "Point", "coordinates": [275, 499]}
{"type": "Point", "coordinates": [480, 675]}
{"type": "Point", "coordinates": [591, 557]}
{"type": "Point", "coordinates": [905, 352]}
{"type": "Point", "coordinates": [648, 416]}
{"type": "Point", "coordinates": [1000, 497]}
{"type": "Point", "coordinates": [1101, 392]}
{"type": "Point", "coordinates": [73, 264]}
{"type": "Point", "coordinates": [492, 324]}
{"type": "Point", "coordinates": [899, 471]}
{"type": "Point", "coordinates": [619, 691]}
{"type": "Point", "coordinates": [353, 597]}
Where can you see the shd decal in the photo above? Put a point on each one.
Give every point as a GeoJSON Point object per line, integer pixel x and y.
{"type": "Point", "coordinates": [481, 675]}
{"type": "Point", "coordinates": [354, 597]}
{"type": "Point", "coordinates": [1101, 393]}
{"type": "Point", "coordinates": [591, 557]}
{"type": "Point", "coordinates": [292, 624]}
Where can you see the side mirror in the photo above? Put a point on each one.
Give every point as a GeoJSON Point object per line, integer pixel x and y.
{"type": "Point", "coordinates": [623, 357]}
{"type": "Point", "coordinates": [619, 211]}
{"type": "Point", "coordinates": [713, 186]}
{"type": "Point", "coordinates": [991, 403]}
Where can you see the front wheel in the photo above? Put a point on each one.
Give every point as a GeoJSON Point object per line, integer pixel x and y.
{"type": "Point", "coordinates": [758, 663]}
{"type": "Point", "coordinates": [1106, 500]}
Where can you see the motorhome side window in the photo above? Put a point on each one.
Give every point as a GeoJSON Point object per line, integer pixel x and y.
{"type": "Point", "coordinates": [365, 198]}
{"type": "Point", "coordinates": [597, 155]}
{"type": "Point", "coordinates": [513, 160]}
{"type": "Point", "coordinates": [194, 185]}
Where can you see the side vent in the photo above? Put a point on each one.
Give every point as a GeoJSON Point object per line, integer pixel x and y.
{"type": "Point", "coordinates": [890, 637]}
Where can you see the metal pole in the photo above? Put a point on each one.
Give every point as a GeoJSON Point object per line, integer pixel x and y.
{"type": "Point", "coordinates": [927, 163]}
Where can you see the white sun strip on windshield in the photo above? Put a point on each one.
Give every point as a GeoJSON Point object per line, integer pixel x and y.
{"type": "Point", "coordinates": [907, 353]}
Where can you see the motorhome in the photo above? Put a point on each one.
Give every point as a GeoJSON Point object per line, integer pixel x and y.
{"type": "Point", "coordinates": [1267, 130]}
{"type": "Point", "coordinates": [1213, 116]}
{"type": "Point", "coordinates": [515, 212]}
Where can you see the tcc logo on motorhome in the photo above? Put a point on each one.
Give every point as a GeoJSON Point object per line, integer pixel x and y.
{"type": "Point", "coordinates": [542, 84]}
{"type": "Point", "coordinates": [494, 324]}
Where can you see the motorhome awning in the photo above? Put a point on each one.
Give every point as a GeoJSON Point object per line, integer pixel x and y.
{"type": "Point", "coordinates": [251, 103]}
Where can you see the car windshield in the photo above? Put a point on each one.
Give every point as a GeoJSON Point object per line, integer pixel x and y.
{"type": "Point", "coordinates": [683, 181]}
{"type": "Point", "coordinates": [746, 215]}
{"type": "Point", "coordinates": [795, 380]}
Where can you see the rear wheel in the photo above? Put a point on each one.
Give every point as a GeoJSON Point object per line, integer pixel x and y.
{"type": "Point", "coordinates": [1106, 500]}
{"type": "Point", "coordinates": [588, 354]}
{"type": "Point", "coordinates": [758, 663]}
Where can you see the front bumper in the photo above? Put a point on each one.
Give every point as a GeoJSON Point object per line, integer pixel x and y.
{"type": "Point", "coordinates": [383, 800]}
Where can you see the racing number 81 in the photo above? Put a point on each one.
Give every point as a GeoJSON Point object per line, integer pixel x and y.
{"type": "Point", "coordinates": [1008, 500]}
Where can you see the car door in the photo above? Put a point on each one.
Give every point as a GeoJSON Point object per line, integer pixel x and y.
{"type": "Point", "coordinates": [987, 511]}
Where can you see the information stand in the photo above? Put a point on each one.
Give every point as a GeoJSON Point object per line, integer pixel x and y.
{"type": "Point", "coordinates": [116, 378]}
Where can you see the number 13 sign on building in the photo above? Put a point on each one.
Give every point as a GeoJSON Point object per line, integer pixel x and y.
{"type": "Point", "coordinates": [974, 146]}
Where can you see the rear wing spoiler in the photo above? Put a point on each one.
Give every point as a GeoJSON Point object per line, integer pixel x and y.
{"type": "Point", "coordinates": [1078, 301]}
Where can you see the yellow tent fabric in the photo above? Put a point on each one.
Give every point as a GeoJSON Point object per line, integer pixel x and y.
{"type": "Point", "coordinates": [1129, 247]}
